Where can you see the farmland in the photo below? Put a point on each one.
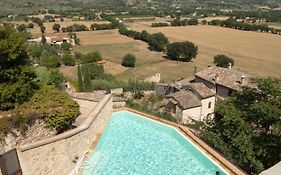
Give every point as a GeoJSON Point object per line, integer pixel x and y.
{"type": "Point", "coordinates": [254, 53]}
{"type": "Point", "coordinates": [49, 31]}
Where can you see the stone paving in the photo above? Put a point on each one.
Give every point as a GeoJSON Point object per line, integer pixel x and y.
{"type": "Point", "coordinates": [86, 107]}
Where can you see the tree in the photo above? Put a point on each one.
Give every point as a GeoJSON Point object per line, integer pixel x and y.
{"type": "Point", "coordinates": [182, 51]}
{"type": "Point", "coordinates": [55, 78]}
{"type": "Point", "coordinates": [96, 71]}
{"type": "Point", "coordinates": [42, 28]}
{"type": "Point", "coordinates": [66, 46]}
{"type": "Point", "coordinates": [91, 57]}
{"type": "Point", "coordinates": [68, 60]}
{"type": "Point", "coordinates": [158, 42]}
{"type": "Point", "coordinates": [31, 25]}
{"type": "Point", "coordinates": [48, 60]}
{"type": "Point", "coordinates": [17, 82]}
{"type": "Point", "coordinates": [78, 55]}
{"type": "Point", "coordinates": [21, 28]}
{"type": "Point", "coordinates": [129, 60]}
{"type": "Point", "coordinates": [204, 21]}
{"type": "Point", "coordinates": [145, 36]}
{"type": "Point", "coordinates": [86, 78]}
{"type": "Point", "coordinates": [80, 80]}
{"type": "Point", "coordinates": [43, 40]}
{"type": "Point", "coordinates": [56, 27]}
{"type": "Point", "coordinates": [247, 126]}
{"type": "Point", "coordinates": [223, 61]}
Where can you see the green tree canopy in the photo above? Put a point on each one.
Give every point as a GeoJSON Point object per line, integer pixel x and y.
{"type": "Point", "coordinates": [129, 60]}
{"type": "Point", "coordinates": [21, 28]}
{"type": "Point", "coordinates": [223, 61]}
{"type": "Point", "coordinates": [91, 57]}
{"type": "Point", "coordinates": [56, 108]}
{"type": "Point", "coordinates": [182, 51]}
{"type": "Point", "coordinates": [17, 82]}
{"type": "Point", "coordinates": [56, 27]}
{"type": "Point", "coordinates": [66, 46]}
{"type": "Point", "coordinates": [158, 41]}
{"type": "Point", "coordinates": [68, 60]}
{"type": "Point", "coordinates": [247, 126]}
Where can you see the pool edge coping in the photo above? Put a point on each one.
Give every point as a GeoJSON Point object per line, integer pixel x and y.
{"type": "Point", "coordinates": [213, 154]}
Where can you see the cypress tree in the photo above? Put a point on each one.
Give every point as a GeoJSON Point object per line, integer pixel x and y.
{"type": "Point", "coordinates": [80, 80]}
{"type": "Point", "coordinates": [86, 78]}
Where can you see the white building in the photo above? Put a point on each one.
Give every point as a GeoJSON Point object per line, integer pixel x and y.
{"type": "Point", "coordinates": [193, 102]}
{"type": "Point", "coordinates": [55, 40]}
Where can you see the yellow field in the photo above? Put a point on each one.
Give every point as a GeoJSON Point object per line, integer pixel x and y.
{"type": "Point", "coordinates": [254, 53]}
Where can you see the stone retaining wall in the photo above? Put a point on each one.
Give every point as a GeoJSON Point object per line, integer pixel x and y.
{"type": "Point", "coordinates": [57, 155]}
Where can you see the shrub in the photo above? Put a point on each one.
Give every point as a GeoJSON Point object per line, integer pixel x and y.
{"type": "Point", "coordinates": [55, 107]}
{"type": "Point", "coordinates": [91, 57]}
{"type": "Point", "coordinates": [95, 70]}
{"type": "Point", "coordinates": [223, 61]}
{"type": "Point", "coordinates": [55, 78]}
{"type": "Point", "coordinates": [129, 60]}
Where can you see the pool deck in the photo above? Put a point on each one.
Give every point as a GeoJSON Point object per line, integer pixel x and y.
{"type": "Point", "coordinates": [214, 155]}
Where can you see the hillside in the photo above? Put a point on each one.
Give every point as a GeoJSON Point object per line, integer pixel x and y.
{"type": "Point", "coordinates": [8, 7]}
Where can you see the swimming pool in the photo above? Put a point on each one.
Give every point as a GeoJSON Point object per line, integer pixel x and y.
{"type": "Point", "coordinates": [134, 145]}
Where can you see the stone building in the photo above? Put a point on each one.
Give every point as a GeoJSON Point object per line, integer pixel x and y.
{"type": "Point", "coordinates": [194, 98]}
{"type": "Point", "coordinates": [224, 81]}
{"type": "Point", "coordinates": [193, 102]}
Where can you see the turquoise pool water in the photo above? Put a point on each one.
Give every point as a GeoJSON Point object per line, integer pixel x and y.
{"type": "Point", "coordinates": [133, 145]}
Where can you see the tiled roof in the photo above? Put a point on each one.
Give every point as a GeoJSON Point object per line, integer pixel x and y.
{"type": "Point", "coordinates": [56, 38]}
{"type": "Point", "coordinates": [186, 81]}
{"type": "Point", "coordinates": [230, 78]}
{"type": "Point", "coordinates": [185, 99]}
{"type": "Point", "coordinates": [202, 90]}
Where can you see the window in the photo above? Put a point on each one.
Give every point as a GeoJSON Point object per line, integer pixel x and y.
{"type": "Point", "coordinates": [210, 105]}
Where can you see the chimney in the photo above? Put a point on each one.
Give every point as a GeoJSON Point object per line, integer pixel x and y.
{"type": "Point", "coordinates": [242, 81]}
{"type": "Point", "coordinates": [216, 77]}
{"type": "Point", "coordinates": [195, 70]}
{"type": "Point", "coordinates": [229, 66]}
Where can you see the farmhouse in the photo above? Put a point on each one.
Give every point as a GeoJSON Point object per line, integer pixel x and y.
{"type": "Point", "coordinates": [193, 102]}
{"type": "Point", "coordinates": [55, 40]}
{"type": "Point", "coordinates": [194, 98]}
{"type": "Point", "coordinates": [224, 81]}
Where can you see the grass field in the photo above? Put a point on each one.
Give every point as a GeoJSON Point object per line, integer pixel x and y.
{"type": "Point", "coordinates": [254, 53]}
{"type": "Point", "coordinates": [148, 62]}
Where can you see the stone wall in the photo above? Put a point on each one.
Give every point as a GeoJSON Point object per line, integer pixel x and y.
{"type": "Point", "coordinates": [56, 155]}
